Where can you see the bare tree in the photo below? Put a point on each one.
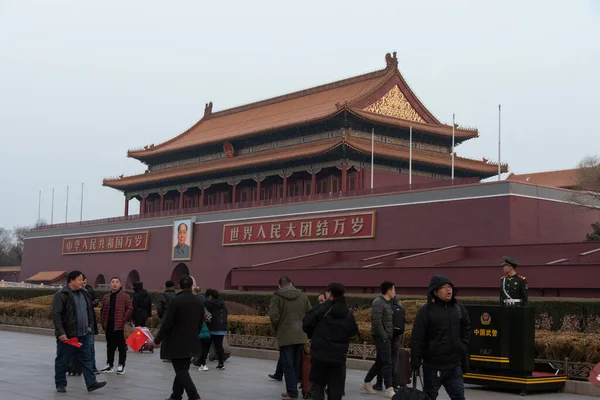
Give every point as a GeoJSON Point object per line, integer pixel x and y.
{"type": "Point", "coordinates": [589, 175]}
{"type": "Point", "coordinates": [19, 233]}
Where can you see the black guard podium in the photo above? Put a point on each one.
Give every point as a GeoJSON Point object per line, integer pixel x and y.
{"type": "Point", "coordinates": [502, 351]}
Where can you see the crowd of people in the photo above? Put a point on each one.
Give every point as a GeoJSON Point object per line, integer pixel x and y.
{"type": "Point", "coordinates": [192, 322]}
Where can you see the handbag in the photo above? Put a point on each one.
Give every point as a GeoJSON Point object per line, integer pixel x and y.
{"type": "Point", "coordinates": [204, 332]}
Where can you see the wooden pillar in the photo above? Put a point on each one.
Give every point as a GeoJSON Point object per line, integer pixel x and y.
{"type": "Point", "coordinates": [285, 187]}
{"type": "Point", "coordinates": [344, 177]}
{"type": "Point", "coordinates": [181, 192]}
{"type": "Point", "coordinates": [162, 201]}
{"type": "Point", "coordinates": [143, 205]}
{"type": "Point", "coordinates": [257, 190]}
{"type": "Point", "coordinates": [126, 206]}
{"type": "Point", "coordinates": [313, 183]}
{"type": "Point", "coordinates": [201, 199]}
{"type": "Point", "coordinates": [233, 192]}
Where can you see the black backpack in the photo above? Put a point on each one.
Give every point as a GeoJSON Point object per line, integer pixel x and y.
{"type": "Point", "coordinates": [398, 318]}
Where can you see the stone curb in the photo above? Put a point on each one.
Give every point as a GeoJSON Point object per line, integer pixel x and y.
{"type": "Point", "coordinates": [572, 387]}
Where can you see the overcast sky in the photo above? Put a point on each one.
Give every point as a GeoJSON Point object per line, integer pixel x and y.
{"type": "Point", "coordinates": [81, 82]}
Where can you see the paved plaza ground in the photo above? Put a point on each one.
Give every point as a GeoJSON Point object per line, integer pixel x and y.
{"type": "Point", "coordinates": [27, 372]}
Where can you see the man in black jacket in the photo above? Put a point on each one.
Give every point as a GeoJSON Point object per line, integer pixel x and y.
{"type": "Point", "coordinates": [142, 304]}
{"type": "Point", "coordinates": [179, 333]}
{"type": "Point", "coordinates": [330, 326]}
{"type": "Point", "coordinates": [72, 318]}
{"type": "Point", "coordinates": [382, 331]}
{"type": "Point", "coordinates": [165, 299]}
{"type": "Point", "coordinates": [440, 338]}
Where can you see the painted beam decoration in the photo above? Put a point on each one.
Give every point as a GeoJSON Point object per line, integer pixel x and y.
{"type": "Point", "coordinates": [133, 241]}
{"type": "Point", "coordinates": [308, 229]}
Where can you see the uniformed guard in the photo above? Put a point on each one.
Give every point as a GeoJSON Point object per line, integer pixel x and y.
{"type": "Point", "coordinates": [513, 287]}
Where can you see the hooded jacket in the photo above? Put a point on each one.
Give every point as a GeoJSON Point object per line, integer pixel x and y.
{"type": "Point", "coordinates": [218, 323]}
{"type": "Point", "coordinates": [330, 326]}
{"type": "Point", "coordinates": [441, 331]}
{"type": "Point", "coordinates": [286, 311]}
{"type": "Point", "coordinates": [142, 304]}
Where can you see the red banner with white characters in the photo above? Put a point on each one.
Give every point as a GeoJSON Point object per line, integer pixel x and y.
{"type": "Point", "coordinates": [323, 227]}
{"type": "Point", "coordinates": [136, 241]}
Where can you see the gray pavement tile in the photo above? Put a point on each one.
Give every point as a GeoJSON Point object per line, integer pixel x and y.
{"type": "Point", "coordinates": [27, 371]}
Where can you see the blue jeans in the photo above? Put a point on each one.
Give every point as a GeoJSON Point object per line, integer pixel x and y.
{"type": "Point", "coordinates": [451, 379]}
{"type": "Point", "coordinates": [64, 353]}
{"type": "Point", "coordinates": [291, 360]}
{"type": "Point", "coordinates": [93, 352]}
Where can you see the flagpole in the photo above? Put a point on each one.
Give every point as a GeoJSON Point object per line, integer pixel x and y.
{"type": "Point", "coordinates": [81, 209]}
{"type": "Point", "coordinates": [410, 158]}
{"type": "Point", "coordinates": [52, 212]}
{"type": "Point", "coordinates": [67, 207]}
{"type": "Point", "coordinates": [39, 205]}
{"type": "Point", "coordinates": [453, 117]}
{"type": "Point", "coordinates": [372, 154]}
{"type": "Point", "coordinates": [499, 138]}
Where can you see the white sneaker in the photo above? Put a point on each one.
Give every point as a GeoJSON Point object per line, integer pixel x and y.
{"type": "Point", "coordinates": [368, 388]}
{"type": "Point", "coordinates": [389, 393]}
{"type": "Point", "coordinates": [203, 368]}
{"type": "Point", "coordinates": [120, 370]}
{"type": "Point", "coordinates": [107, 369]}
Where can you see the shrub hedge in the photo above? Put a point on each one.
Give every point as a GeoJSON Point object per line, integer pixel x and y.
{"type": "Point", "coordinates": [553, 314]}
{"type": "Point", "coordinates": [577, 346]}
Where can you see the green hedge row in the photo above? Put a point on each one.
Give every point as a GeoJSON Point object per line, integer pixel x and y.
{"type": "Point", "coordinates": [553, 314]}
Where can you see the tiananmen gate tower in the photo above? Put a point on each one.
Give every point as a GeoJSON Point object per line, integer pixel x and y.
{"type": "Point", "coordinates": [283, 187]}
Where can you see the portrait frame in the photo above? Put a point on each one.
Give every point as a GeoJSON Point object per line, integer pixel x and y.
{"type": "Point", "coordinates": [189, 240]}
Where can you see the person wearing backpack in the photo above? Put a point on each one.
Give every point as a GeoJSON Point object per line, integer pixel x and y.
{"type": "Point", "coordinates": [440, 339]}
{"type": "Point", "coordinates": [217, 327]}
{"type": "Point", "coordinates": [165, 299]}
{"type": "Point", "coordinates": [400, 357]}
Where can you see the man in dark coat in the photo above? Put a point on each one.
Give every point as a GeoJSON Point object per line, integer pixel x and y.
{"type": "Point", "coordinates": [72, 318]}
{"type": "Point", "coordinates": [179, 334]}
{"type": "Point", "coordinates": [382, 331]}
{"type": "Point", "coordinates": [142, 304]}
{"type": "Point", "coordinates": [165, 299]}
{"type": "Point", "coordinates": [440, 338]}
{"type": "Point", "coordinates": [286, 311]}
{"type": "Point", "coordinates": [330, 326]}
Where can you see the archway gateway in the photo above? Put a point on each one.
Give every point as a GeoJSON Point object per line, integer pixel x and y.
{"type": "Point", "coordinates": [180, 270]}
{"type": "Point", "coordinates": [133, 277]}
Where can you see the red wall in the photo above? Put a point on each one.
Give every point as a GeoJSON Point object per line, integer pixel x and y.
{"type": "Point", "coordinates": [487, 221]}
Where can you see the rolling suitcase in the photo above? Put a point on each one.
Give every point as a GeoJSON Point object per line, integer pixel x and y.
{"type": "Point", "coordinates": [404, 369]}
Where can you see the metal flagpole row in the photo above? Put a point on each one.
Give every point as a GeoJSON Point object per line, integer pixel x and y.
{"type": "Point", "coordinates": [499, 139]}
{"type": "Point", "coordinates": [410, 158]}
{"type": "Point", "coordinates": [453, 123]}
{"type": "Point", "coordinates": [372, 154]}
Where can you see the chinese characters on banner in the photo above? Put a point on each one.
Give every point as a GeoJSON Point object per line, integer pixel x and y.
{"type": "Point", "coordinates": [325, 227]}
{"type": "Point", "coordinates": [137, 241]}
{"type": "Point", "coordinates": [486, 332]}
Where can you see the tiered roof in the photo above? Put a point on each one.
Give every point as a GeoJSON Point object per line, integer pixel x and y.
{"type": "Point", "coordinates": [354, 94]}
{"type": "Point", "coordinates": [381, 97]}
